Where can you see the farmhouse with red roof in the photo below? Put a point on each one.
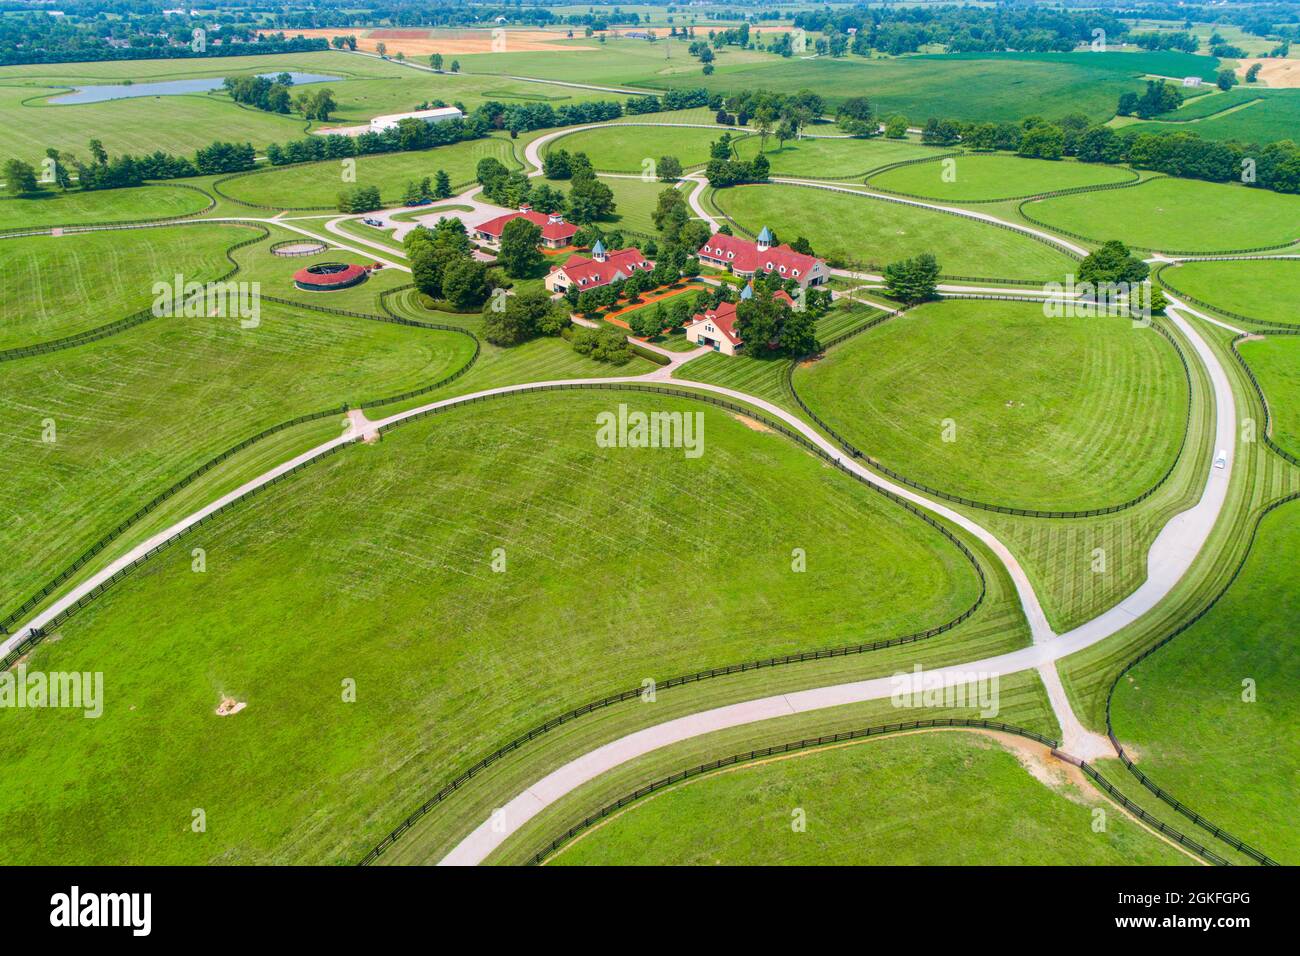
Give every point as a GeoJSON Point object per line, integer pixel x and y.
{"type": "Point", "coordinates": [601, 269]}
{"type": "Point", "coordinates": [746, 258]}
{"type": "Point", "coordinates": [556, 233]}
{"type": "Point", "coordinates": [716, 328]}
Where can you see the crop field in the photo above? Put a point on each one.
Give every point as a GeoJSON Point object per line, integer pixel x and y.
{"type": "Point", "coordinates": [406, 565]}
{"type": "Point", "coordinates": [978, 177]}
{"type": "Point", "coordinates": [1051, 413]}
{"type": "Point", "coordinates": [1186, 711]}
{"type": "Point", "coordinates": [91, 433]}
{"type": "Point", "coordinates": [833, 158]}
{"type": "Point", "coordinates": [889, 801]}
{"type": "Point", "coordinates": [871, 233]}
{"type": "Point", "coordinates": [1247, 114]}
{"type": "Point", "coordinates": [626, 149]}
{"type": "Point", "coordinates": [50, 279]}
{"type": "Point", "coordinates": [1275, 360]}
{"type": "Point", "coordinates": [51, 208]}
{"type": "Point", "coordinates": [317, 185]}
{"type": "Point", "coordinates": [1176, 215]}
{"type": "Point", "coordinates": [968, 87]}
{"type": "Point", "coordinates": [1264, 289]}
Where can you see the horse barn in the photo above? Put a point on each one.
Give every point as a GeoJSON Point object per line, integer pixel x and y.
{"type": "Point", "coordinates": [440, 115]}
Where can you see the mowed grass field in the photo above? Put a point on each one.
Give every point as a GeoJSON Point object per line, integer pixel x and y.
{"type": "Point", "coordinates": [974, 87]}
{"type": "Point", "coordinates": [181, 123]}
{"type": "Point", "coordinates": [832, 158]}
{"type": "Point", "coordinates": [133, 413]}
{"type": "Point", "coordinates": [1275, 360]}
{"type": "Point", "coordinates": [1182, 215]}
{"type": "Point", "coordinates": [627, 149]}
{"type": "Point", "coordinates": [62, 285]}
{"type": "Point", "coordinates": [1182, 709]}
{"type": "Point", "coordinates": [871, 233]}
{"type": "Point", "coordinates": [1246, 114]}
{"type": "Point", "coordinates": [1264, 289]}
{"type": "Point", "coordinates": [924, 799]}
{"type": "Point", "coordinates": [100, 206]}
{"type": "Point", "coordinates": [317, 185]}
{"type": "Point", "coordinates": [994, 401]}
{"type": "Point", "coordinates": [988, 177]}
{"type": "Point", "coordinates": [375, 565]}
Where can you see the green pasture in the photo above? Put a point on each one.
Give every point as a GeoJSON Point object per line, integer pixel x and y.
{"type": "Point", "coordinates": [1275, 360]}
{"type": "Point", "coordinates": [980, 177]}
{"type": "Point", "coordinates": [625, 149]}
{"type": "Point", "coordinates": [389, 551]}
{"type": "Point", "coordinates": [885, 801]}
{"type": "Point", "coordinates": [833, 158]}
{"type": "Point", "coordinates": [870, 233]}
{"type": "Point", "coordinates": [76, 208]}
{"type": "Point", "coordinates": [1267, 290]}
{"type": "Point", "coordinates": [996, 402]}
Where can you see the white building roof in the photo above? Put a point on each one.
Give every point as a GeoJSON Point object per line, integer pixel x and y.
{"type": "Point", "coordinates": [443, 112]}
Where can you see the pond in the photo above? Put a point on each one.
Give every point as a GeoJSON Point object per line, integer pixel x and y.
{"type": "Point", "coordinates": [101, 92]}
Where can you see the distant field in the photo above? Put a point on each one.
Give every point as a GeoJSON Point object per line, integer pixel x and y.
{"type": "Point", "coordinates": [1177, 215]}
{"type": "Point", "coordinates": [1261, 116]}
{"type": "Point", "coordinates": [1276, 362]}
{"type": "Point", "coordinates": [967, 87]}
{"type": "Point", "coordinates": [874, 232]}
{"type": "Point", "coordinates": [889, 801]}
{"type": "Point", "coordinates": [625, 149]}
{"type": "Point", "coordinates": [1057, 414]}
{"type": "Point", "coordinates": [982, 177]}
{"type": "Point", "coordinates": [833, 158]}
{"type": "Point", "coordinates": [318, 184]}
{"type": "Point", "coordinates": [53, 208]}
{"type": "Point", "coordinates": [1264, 289]}
{"type": "Point", "coordinates": [61, 285]}
{"type": "Point", "coordinates": [388, 550]}
{"type": "Point", "coordinates": [1182, 709]}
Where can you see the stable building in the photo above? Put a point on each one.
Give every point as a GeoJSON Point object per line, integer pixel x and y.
{"type": "Point", "coordinates": [601, 269]}
{"type": "Point", "coordinates": [440, 115]}
{"type": "Point", "coordinates": [747, 259]}
{"type": "Point", "coordinates": [716, 328]}
{"type": "Point", "coordinates": [556, 233]}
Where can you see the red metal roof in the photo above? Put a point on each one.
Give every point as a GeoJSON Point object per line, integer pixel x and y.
{"type": "Point", "coordinates": [744, 256]}
{"type": "Point", "coordinates": [344, 276]}
{"type": "Point", "coordinates": [588, 273]}
{"type": "Point", "coordinates": [550, 230]}
{"type": "Point", "coordinates": [724, 317]}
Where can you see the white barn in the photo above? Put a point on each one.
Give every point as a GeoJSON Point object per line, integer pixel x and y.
{"type": "Point", "coordinates": [380, 123]}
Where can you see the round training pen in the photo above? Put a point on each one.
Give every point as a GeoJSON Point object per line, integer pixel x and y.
{"type": "Point", "coordinates": [298, 247]}
{"type": "Point", "coordinates": [329, 276]}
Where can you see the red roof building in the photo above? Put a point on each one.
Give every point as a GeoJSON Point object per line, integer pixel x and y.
{"type": "Point", "coordinates": [716, 328]}
{"type": "Point", "coordinates": [329, 276]}
{"type": "Point", "coordinates": [601, 269]}
{"type": "Point", "coordinates": [746, 258]}
{"type": "Point", "coordinates": [556, 233]}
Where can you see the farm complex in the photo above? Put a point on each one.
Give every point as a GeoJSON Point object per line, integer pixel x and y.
{"type": "Point", "coordinates": [651, 435]}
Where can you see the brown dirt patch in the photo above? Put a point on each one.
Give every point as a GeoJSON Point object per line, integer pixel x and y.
{"type": "Point", "coordinates": [230, 706]}
{"type": "Point", "coordinates": [751, 423]}
{"type": "Point", "coordinates": [1274, 72]}
{"type": "Point", "coordinates": [423, 42]}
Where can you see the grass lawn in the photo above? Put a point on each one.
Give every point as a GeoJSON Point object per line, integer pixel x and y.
{"type": "Point", "coordinates": [1176, 215]}
{"type": "Point", "coordinates": [1182, 708]}
{"type": "Point", "coordinates": [983, 177]}
{"type": "Point", "coordinates": [626, 149]}
{"type": "Point", "coordinates": [834, 158]}
{"type": "Point", "coordinates": [387, 549]}
{"type": "Point", "coordinates": [887, 801]}
{"type": "Point", "coordinates": [1264, 289]}
{"type": "Point", "coordinates": [634, 203]}
{"type": "Point", "coordinates": [62, 285]}
{"type": "Point", "coordinates": [317, 185]}
{"type": "Point", "coordinates": [100, 206]}
{"type": "Point", "coordinates": [874, 232]}
{"type": "Point", "coordinates": [1246, 114]}
{"type": "Point", "coordinates": [1050, 413]}
{"type": "Point", "coordinates": [974, 87]}
{"type": "Point", "coordinates": [1275, 360]}
{"type": "Point", "coordinates": [135, 412]}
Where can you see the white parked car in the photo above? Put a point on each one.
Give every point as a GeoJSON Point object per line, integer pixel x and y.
{"type": "Point", "coordinates": [1221, 459]}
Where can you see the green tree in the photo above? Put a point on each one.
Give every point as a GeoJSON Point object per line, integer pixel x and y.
{"type": "Point", "coordinates": [857, 117]}
{"type": "Point", "coordinates": [669, 169]}
{"type": "Point", "coordinates": [1112, 262]}
{"type": "Point", "coordinates": [20, 178]}
{"type": "Point", "coordinates": [464, 283]}
{"type": "Point", "coordinates": [1226, 79]}
{"type": "Point", "coordinates": [896, 126]}
{"type": "Point", "coordinates": [913, 280]}
{"type": "Point", "coordinates": [435, 61]}
{"type": "Point", "coordinates": [519, 255]}
{"type": "Point", "coordinates": [442, 185]}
